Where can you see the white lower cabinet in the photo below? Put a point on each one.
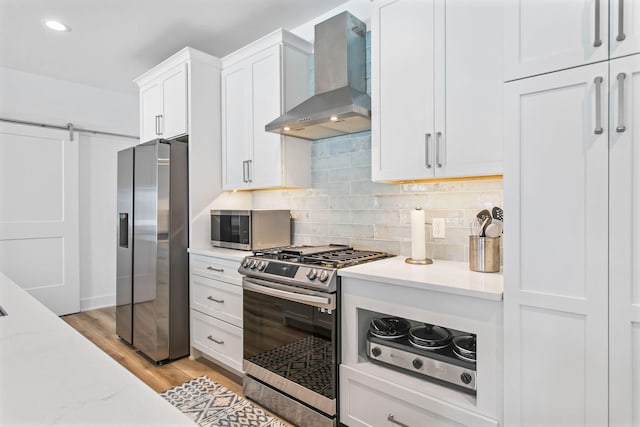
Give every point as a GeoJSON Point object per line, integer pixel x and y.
{"type": "Point", "coordinates": [370, 401]}
{"type": "Point", "coordinates": [374, 394]}
{"type": "Point", "coordinates": [219, 340]}
{"type": "Point", "coordinates": [216, 310]}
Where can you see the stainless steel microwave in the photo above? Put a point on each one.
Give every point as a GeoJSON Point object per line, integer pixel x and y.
{"type": "Point", "coordinates": [250, 229]}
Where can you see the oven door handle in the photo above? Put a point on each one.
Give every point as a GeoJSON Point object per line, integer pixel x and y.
{"type": "Point", "coordinates": [317, 301]}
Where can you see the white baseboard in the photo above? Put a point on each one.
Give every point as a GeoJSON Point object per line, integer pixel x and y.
{"type": "Point", "coordinates": [97, 302]}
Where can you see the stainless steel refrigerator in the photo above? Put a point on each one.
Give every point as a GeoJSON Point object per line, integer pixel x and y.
{"type": "Point", "coordinates": [152, 290]}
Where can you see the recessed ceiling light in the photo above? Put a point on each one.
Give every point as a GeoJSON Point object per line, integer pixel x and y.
{"type": "Point", "coordinates": [55, 25]}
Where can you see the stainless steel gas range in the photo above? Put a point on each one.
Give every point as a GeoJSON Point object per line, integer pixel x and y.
{"type": "Point", "coordinates": [292, 331]}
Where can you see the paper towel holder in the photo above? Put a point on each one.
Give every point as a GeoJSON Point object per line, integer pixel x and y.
{"type": "Point", "coordinates": [418, 239]}
{"type": "Point", "coordinates": [425, 261]}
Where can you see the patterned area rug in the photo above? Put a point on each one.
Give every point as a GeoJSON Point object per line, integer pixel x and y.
{"type": "Point", "coordinates": [210, 404]}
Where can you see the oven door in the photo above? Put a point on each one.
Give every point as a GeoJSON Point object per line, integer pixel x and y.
{"type": "Point", "coordinates": [290, 341]}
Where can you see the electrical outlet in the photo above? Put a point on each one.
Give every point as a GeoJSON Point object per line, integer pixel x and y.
{"type": "Point", "coordinates": [437, 228]}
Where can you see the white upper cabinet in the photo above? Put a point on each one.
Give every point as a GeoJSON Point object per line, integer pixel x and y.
{"type": "Point", "coordinates": [549, 35]}
{"type": "Point", "coordinates": [259, 83]}
{"type": "Point", "coordinates": [436, 96]}
{"type": "Point", "coordinates": [163, 104]}
{"type": "Point", "coordinates": [180, 98]}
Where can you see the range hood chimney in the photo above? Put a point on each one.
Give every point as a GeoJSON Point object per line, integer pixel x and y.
{"type": "Point", "coordinates": [340, 105]}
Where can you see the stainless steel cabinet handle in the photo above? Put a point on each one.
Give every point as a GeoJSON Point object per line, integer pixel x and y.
{"type": "Point", "coordinates": [157, 127]}
{"type": "Point", "coordinates": [161, 124]}
{"type": "Point", "coordinates": [215, 340]}
{"type": "Point", "coordinates": [597, 42]}
{"type": "Point", "coordinates": [598, 81]}
{"type": "Point", "coordinates": [427, 162]}
{"type": "Point", "coordinates": [392, 419]}
{"type": "Point", "coordinates": [244, 171]}
{"type": "Point", "coordinates": [219, 270]}
{"type": "Point", "coordinates": [219, 301]}
{"type": "Point", "coordinates": [621, 127]}
{"type": "Point", "coordinates": [620, 35]}
{"type": "Point", "coordinates": [249, 170]}
{"type": "Point", "coordinates": [438, 136]}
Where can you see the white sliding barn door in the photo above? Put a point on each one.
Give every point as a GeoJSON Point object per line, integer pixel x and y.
{"type": "Point", "coordinates": [39, 214]}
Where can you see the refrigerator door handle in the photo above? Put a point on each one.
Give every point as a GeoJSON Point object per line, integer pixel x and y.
{"type": "Point", "coordinates": [123, 232]}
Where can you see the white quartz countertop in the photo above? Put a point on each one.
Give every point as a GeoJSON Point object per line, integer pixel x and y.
{"type": "Point", "coordinates": [52, 375]}
{"type": "Point", "coordinates": [229, 254]}
{"type": "Point", "coordinates": [441, 276]}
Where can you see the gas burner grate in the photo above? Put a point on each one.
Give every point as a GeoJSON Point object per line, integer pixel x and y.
{"type": "Point", "coordinates": [343, 258]}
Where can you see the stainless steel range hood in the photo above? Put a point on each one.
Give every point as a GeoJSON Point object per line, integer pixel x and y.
{"type": "Point", "coordinates": [340, 105]}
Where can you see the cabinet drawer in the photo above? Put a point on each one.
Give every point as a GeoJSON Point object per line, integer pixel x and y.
{"type": "Point", "coordinates": [216, 298]}
{"type": "Point", "coordinates": [217, 339]}
{"type": "Point", "coordinates": [216, 268]}
{"type": "Point", "coordinates": [364, 404]}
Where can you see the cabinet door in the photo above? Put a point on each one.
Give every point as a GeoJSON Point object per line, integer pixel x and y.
{"type": "Point", "coordinates": [548, 35]}
{"type": "Point", "coordinates": [236, 127]}
{"type": "Point", "coordinates": [174, 103]}
{"type": "Point", "coordinates": [402, 89]}
{"type": "Point", "coordinates": [555, 271]}
{"type": "Point", "coordinates": [624, 27]}
{"type": "Point", "coordinates": [266, 168]}
{"type": "Point", "coordinates": [624, 242]}
{"type": "Point", "coordinates": [150, 111]}
{"type": "Point", "coordinates": [469, 89]}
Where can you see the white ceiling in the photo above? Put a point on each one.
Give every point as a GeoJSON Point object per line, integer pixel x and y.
{"type": "Point", "coordinates": [114, 41]}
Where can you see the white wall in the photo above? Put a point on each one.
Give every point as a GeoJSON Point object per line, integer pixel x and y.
{"type": "Point", "coordinates": [98, 219]}
{"type": "Point", "coordinates": [30, 97]}
{"type": "Point", "coordinates": [361, 9]}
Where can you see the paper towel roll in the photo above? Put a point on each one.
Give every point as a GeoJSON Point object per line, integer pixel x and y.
{"type": "Point", "coordinates": [418, 246]}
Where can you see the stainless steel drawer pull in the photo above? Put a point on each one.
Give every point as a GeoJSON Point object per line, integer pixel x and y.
{"type": "Point", "coordinates": [219, 301]}
{"type": "Point", "coordinates": [598, 130]}
{"type": "Point", "coordinates": [218, 270]}
{"type": "Point", "coordinates": [210, 338]}
{"type": "Point", "coordinates": [427, 162]}
{"type": "Point", "coordinates": [597, 42]}
{"type": "Point", "coordinates": [438, 137]}
{"type": "Point", "coordinates": [392, 419]}
{"type": "Point", "coordinates": [621, 127]}
{"type": "Point", "coordinates": [620, 35]}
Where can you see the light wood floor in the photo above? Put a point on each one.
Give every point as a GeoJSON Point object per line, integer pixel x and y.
{"type": "Point", "coordinates": [99, 326]}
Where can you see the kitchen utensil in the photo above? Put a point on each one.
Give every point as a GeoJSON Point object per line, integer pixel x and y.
{"type": "Point", "coordinates": [484, 227]}
{"type": "Point", "coordinates": [497, 213]}
{"type": "Point", "coordinates": [476, 226]}
{"type": "Point", "coordinates": [484, 216]}
{"type": "Point", "coordinates": [494, 229]}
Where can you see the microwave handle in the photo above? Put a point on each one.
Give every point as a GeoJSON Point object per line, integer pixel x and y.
{"type": "Point", "coordinates": [316, 301]}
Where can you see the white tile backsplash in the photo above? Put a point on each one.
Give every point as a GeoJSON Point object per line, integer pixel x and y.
{"type": "Point", "coordinates": [344, 206]}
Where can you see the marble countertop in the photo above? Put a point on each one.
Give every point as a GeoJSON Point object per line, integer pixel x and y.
{"type": "Point", "coordinates": [52, 375]}
{"type": "Point", "coordinates": [229, 254]}
{"type": "Point", "coordinates": [441, 276]}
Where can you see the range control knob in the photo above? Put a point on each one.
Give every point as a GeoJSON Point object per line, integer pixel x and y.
{"type": "Point", "coordinates": [245, 263]}
{"type": "Point", "coordinates": [323, 276]}
{"type": "Point", "coordinates": [466, 377]}
{"type": "Point", "coordinates": [417, 363]}
{"type": "Point", "coordinates": [253, 264]}
{"type": "Point", "coordinates": [375, 351]}
{"type": "Point", "coordinates": [262, 265]}
{"type": "Point", "coordinates": [311, 275]}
